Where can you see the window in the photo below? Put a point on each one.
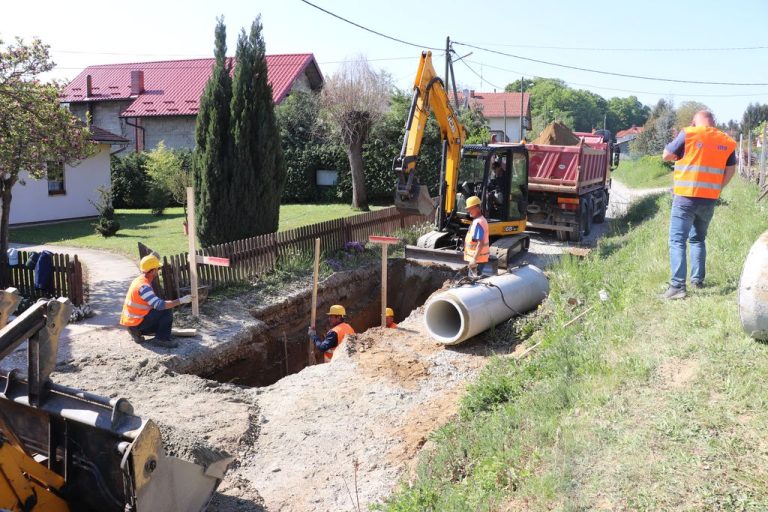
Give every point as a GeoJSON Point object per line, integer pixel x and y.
{"type": "Point", "coordinates": [56, 178]}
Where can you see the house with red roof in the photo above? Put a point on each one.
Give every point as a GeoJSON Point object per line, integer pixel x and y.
{"type": "Point", "coordinates": [146, 102]}
{"type": "Point", "coordinates": [504, 112]}
{"type": "Point", "coordinates": [68, 190]}
{"type": "Point", "coordinates": [625, 137]}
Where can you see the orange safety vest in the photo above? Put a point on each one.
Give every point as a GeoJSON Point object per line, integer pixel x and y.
{"type": "Point", "coordinates": [341, 331]}
{"type": "Point", "coordinates": [135, 308]}
{"type": "Point", "coordinates": [470, 246]}
{"type": "Point", "coordinates": [701, 171]}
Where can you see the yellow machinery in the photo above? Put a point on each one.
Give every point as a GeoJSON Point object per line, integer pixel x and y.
{"type": "Point", "coordinates": [66, 449]}
{"type": "Point", "coordinates": [497, 173]}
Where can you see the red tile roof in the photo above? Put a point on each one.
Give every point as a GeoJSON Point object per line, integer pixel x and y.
{"type": "Point", "coordinates": [174, 87]}
{"type": "Point", "coordinates": [635, 130]}
{"type": "Point", "coordinates": [493, 103]}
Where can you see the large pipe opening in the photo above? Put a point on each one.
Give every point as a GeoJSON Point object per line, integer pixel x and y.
{"type": "Point", "coordinates": [444, 320]}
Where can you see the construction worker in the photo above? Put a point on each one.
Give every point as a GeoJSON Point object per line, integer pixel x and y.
{"type": "Point", "coordinates": [391, 319]}
{"type": "Point", "coordinates": [144, 312]}
{"type": "Point", "coordinates": [335, 336]}
{"type": "Point", "coordinates": [476, 243]}
{"type": "Point", "coordinates": [705, 162]}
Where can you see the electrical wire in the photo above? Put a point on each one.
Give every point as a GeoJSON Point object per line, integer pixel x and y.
{"type": "Point", "coordinates": [533, 76]}
{"type": "Point", "coordinates": [479, 75]}
{"type": "Point", "coordinates": [608, 49]}
{"type": "Point", "coordinates": [609, 73]}
{"type": "Point", "coordinates": [368, 29]}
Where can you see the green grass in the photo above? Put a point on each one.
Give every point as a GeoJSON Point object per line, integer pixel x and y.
{"type": "Point", "coordinates": [642, 405]}
{"type": "Point", "coordinates": [164, 234]}
{"type": "Point", "coordinates": [646, 172]}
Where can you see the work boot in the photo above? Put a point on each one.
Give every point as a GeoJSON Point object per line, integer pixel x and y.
{"type": "Point", "coordinates": [164, 343]}
{"type": "Point", "coordinates": [135, 335]}
{"type": "Point", "coordinates": [674, 293]}
{"type": "Point", "coordinates": [698, 285]}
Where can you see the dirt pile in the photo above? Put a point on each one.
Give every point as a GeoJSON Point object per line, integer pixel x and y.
{"type": "Point", "coordinates": [557, 134]}
{"type": "Point", "coordinates": [361, 418]}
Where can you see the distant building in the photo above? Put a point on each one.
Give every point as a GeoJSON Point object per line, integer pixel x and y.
{"type": "Point", "coordinates": [625, 137]}
{"type": "Point", "coordinates": [503, 110]}
{"type": "Point", "coordinates": [147, 102]}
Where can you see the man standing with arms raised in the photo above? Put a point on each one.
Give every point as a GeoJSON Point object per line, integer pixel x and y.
{"type": "Point", "coordinates": [705, 162]}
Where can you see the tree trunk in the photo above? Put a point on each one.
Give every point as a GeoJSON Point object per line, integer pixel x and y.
{"type": "Point", "coordinates": [359, 195]}
{"type": "Point", "coordinates": [5, 219]}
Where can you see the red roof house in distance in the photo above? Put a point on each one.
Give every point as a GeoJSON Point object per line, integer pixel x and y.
{"type": "Point", "coordinates": [634, 130]}
{"type": "Point", "coordinates": [624, 138]}
{"type": "Point", "coordinates": [147, 102]}
{"type": "Point", "coordinates": [498, 107]}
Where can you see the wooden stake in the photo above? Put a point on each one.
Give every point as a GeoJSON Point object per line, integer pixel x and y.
{"type": "Point", "coordinates": [192, 251]}
{"type": "Point", "coordinates": [384, 248]}
{"type": "Point", "coordinates": [313, 321]}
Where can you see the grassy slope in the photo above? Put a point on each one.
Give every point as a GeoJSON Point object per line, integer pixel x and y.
{"type": "Point", "coordinates": [647, 172]}
{"type": "Point", "coordinates": [164, 234]}
{"type": "Point", "coordinates": [643, 405]}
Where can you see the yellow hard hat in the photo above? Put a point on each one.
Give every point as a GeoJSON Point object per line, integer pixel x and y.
{"type": "Point", "coordinates": [337, 310]}
{"type": "Point", "coordinates": [149, 262]}
{"type": "Point", "coordinates": [473, 201]}
{"type": "Point", "coordinates": [390, 312]}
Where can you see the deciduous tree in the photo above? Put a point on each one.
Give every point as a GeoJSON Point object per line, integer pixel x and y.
{"type": "Point", "coordinates": [34, 128]}
{"type": "Point", "coordinates": [354, 99]}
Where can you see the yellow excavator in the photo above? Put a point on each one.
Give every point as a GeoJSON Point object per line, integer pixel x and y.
{"type": "Point", "coordinates": [497, 173]}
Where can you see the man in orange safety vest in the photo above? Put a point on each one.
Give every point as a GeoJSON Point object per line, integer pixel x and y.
{"type": "Point", "coordinates": [476, 243]}
{"type": "Point", "coordinates": [390, 314]}
{"type": "Point", "coordinates": [335, 336]}
{"type": "Point", "coordinates": [705, 161]}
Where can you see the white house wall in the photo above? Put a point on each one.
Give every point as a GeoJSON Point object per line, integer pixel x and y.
{"type": "Point", "coordinates": [31, 202]}
{"type": "Point", "coordinates": [513, 127]}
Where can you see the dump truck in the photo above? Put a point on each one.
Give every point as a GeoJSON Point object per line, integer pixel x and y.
{"type": "Point", "coordinates": [65, 449]}
{"type": "Point", "coordinates": [568, 181]}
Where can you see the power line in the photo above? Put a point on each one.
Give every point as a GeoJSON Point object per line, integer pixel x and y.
{"type": "Point", "coordinates": [480, 76]}
{"type": "Point", "coordinates": [609, 49]}
{"type": "Point", "coordinates": [368, 29]}
{"type": "Point", "coordinates": [610, 73]}
{"type": "Point", "coordinates": [530, 75]}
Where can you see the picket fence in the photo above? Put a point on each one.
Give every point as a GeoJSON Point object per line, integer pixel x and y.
{"type": "Point", "coordinates": [67, 278]}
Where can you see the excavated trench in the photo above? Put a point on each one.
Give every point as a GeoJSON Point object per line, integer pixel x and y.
{"type": "Point", "coordinates": [278, 345]}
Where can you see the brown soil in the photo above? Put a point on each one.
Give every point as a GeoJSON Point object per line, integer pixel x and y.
{"type": "Point", "coordinates": [557, 134]}
{"type": "Point", "coordinates": [676, 373]}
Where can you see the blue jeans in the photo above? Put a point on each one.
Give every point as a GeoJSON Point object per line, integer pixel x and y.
{"type": "Point", "coordinates": [157, 322]}
{"type": "Point", "coordinates": [689, 223]}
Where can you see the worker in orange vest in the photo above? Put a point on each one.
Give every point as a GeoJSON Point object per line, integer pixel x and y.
{"type": "Point", "coordinates": [144, 312]}
{"type": "Point", "coordinates": [390, 313]}
{"type": "Point", "coordinates": [335, 336]}
{"type": "Point", "coordinates": [705, 162]}
{"type": "Point", "coordinates": [476, 243]}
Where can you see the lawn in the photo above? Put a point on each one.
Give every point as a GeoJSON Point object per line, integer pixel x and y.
{"type": "Point", "coordinates": [646, 172]}
{"type": "Point", "coordinates": [164, 234]}
{"type": "Point", "coordinates": [640, 405]}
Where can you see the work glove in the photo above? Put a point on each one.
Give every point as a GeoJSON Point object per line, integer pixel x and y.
{"type": "Point", "coordinates": [185, 299]}
{"type": "Point", "coordinates": [311, 332]}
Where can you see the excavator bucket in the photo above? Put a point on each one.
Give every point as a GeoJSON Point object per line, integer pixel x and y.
{"type": "Point", "coordinates": [415, 201]}
{"type": "Point", "coordinates": [83, 451]}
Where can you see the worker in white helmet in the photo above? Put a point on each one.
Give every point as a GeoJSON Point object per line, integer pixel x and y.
{"type": "Point", "coordinates": [335, 336]}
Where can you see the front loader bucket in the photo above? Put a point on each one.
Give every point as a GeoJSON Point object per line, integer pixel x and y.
{"type": "Point", "coordinates": [417, 202]}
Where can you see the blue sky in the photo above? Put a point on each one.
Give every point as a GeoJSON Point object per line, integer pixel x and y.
{"type": "Point", "coordinates": [81, 34]}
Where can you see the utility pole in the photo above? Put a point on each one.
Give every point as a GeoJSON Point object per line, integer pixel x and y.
{"type": "Point", "coordinates": [448, 65]}
{"type": "Point", "coordinates": [741, 155]}
{"type": "Point", "coordinates": [761, 179]}
{"type": "Point", "coordinates": [522, 106]}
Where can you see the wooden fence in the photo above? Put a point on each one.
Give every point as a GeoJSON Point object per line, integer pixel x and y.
{"type": "Point", "coordinates": [260, 254]}
{"type": "Point", "coordinates": [67, 278]}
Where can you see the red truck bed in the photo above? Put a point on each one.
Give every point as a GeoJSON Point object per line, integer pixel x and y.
{"type": "Point", "coordinates": [568, 169]}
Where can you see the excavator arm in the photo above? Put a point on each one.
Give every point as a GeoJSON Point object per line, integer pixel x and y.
{"type": "Point", "coordinates": [429, 94]}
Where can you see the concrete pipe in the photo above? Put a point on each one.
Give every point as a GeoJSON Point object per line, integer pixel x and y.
{"type": "Point", "coordinates": [458, 314]}
{"type": "Point", "coordinates": [753, 290]}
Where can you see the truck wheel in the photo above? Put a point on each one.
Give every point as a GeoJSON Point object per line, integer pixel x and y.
{"type": "Point", "coordinates": [600, 217]}
{"type": "Point", "coordinates": [588, 213]}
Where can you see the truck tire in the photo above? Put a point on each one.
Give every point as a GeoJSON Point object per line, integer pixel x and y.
{"type": "Point", "coordinates": [600, 217]}
{"type": "Point", "coordinates": [585, 221]}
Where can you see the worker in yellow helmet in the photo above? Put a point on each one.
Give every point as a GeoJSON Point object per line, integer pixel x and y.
{"type": "Point", "coordinates": [144, 312]}
{"type": "Point", "coordinates": [335, 336]}
{"type": "Point", "coordinates": [477, 242]}
{"type": "Point", "coordinates": [391, 319]}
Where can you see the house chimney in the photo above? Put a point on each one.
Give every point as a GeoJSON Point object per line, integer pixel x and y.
{"type": "Point", "coordinates": [137, 82]}
{"type": "Point", "coordinates": [88, 87]}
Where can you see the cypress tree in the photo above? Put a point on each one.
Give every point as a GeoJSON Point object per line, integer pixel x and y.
{"type": "Point", "coordinates": [258, 167]}
{"type": "Point", "coordinates": [212, 169]}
